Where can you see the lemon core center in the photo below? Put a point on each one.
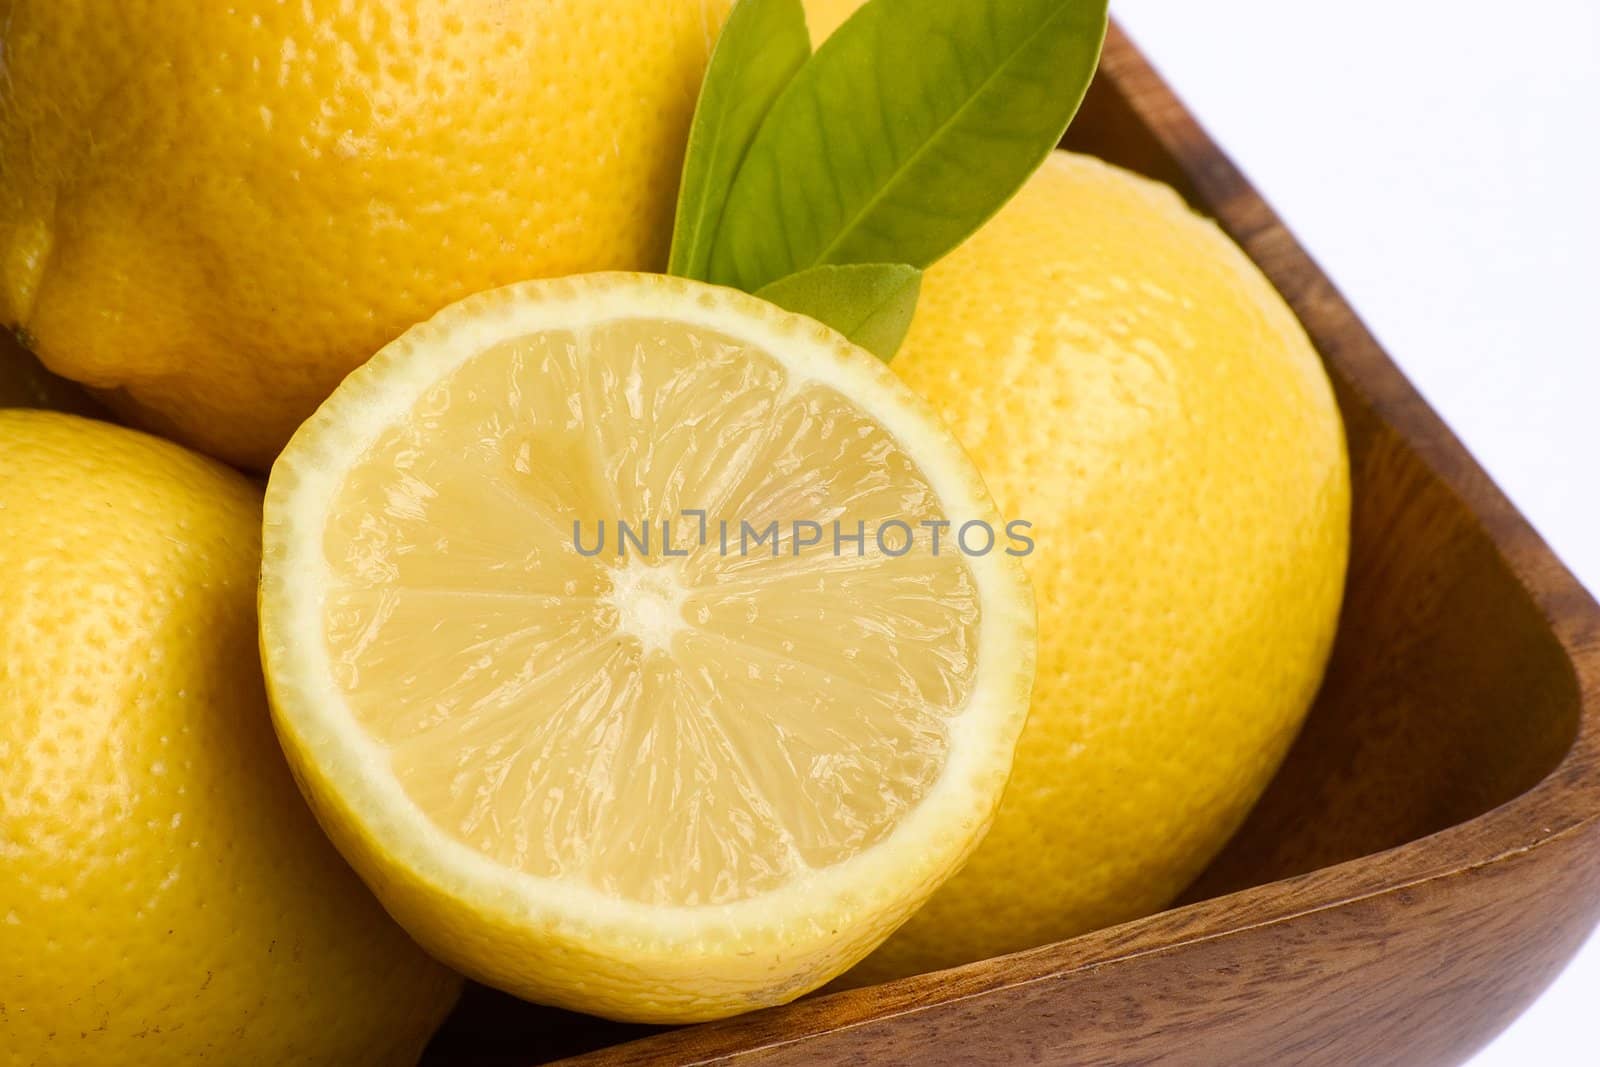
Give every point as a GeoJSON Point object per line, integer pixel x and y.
{"type": "Point", "coordinates": [648, 600]}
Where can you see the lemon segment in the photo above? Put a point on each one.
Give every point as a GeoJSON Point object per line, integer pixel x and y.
{"type": "Point", "coordinates": [545, 690]}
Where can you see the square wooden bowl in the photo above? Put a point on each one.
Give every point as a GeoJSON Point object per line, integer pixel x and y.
{"type": "Point", "coordinates": [1425, 862]}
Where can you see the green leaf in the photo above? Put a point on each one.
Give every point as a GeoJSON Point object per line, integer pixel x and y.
{"type": "Point", "coordinates": [911, 126]}
{"type": "Point", "coordinates": [870, 303]}
{"type": "Point", "coordinates": [763, 44]}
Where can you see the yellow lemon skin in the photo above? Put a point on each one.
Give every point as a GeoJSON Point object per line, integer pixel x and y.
{"type": "Point", "coordinates": [167, 897]}
{"type": "Point", "coordinates": [825, 16]}
{"type": "Point", "coordinates": [1130, 384]}
{"type": "Point", "coordinates": [215, 211]}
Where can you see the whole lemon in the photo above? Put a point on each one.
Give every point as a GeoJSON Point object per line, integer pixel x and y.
{"type": "Point", "coordinates": [167, 897]}
{"type": "Point", "coordinates": [1130, 384]}
{"type": "Point", "coordinates": [216, 211]}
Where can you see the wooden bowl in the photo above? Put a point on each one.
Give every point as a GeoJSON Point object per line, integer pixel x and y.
{"type": "Point", "coordinates": [1425, 862]}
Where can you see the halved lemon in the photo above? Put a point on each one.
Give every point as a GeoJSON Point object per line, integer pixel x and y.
{"type": "Point", "coordinates": [608, 638]}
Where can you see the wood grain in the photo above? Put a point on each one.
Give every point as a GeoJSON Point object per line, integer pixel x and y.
{"type": "Point", "coordinates": [1421, 868]}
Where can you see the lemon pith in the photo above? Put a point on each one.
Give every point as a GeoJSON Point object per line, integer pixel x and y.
{"type": "Point", "coordinates": [650, 788]}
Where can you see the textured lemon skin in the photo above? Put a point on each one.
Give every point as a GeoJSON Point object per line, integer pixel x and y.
{"type": "Point", "coordinates": [1132, 385]}
{"type": "Point", "coordinates": [167, 897]}
{"type": "Point", "coordinates": [217, 212]}
{"type": "Point", "coordinates": [825, 16]}
{"type": "Point", "coordinates": [697, 963]}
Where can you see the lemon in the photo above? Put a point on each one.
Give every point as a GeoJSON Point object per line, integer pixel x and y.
{"type": "Point", "coordinates": [1130, 384]}
{"type": "Point", "coordinates": [218, 210]}
{"type": "Point", "coordinates": [166, 896]}
{"type": "Point", "coordinates": [825, 16]}
{"type": "Point", "coordinates": [664, 784]}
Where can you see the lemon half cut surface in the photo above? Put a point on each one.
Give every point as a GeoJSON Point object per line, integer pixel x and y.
{"type": "Point", "coordinates": [660, 785]}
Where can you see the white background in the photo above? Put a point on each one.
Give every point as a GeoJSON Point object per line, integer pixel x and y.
{"type": "Point", "coordinates": [1439, 159]}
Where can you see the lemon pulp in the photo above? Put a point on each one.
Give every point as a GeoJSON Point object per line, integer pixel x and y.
{"type": "Point", "coordinates": [675, 729]}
